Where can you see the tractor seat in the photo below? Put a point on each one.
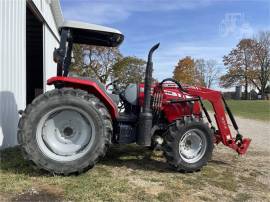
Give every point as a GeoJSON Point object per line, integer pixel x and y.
{"type": "Point", "coordinates": [114, 97]}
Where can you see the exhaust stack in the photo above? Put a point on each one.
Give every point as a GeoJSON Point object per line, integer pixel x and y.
{"type": "Point", "coordinates": [145, 119]}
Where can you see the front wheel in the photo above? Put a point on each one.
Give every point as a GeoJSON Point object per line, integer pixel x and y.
{"type": "Point", "coordinates": [65, 131]}
{"type": "Point", "coordinates": [188, 145]}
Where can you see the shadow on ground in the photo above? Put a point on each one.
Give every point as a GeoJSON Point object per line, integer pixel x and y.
{"type": "Point", "coordinates": [136, 158]}
{"type": "Point", "coordinates": [12, 161]}
{"type": "Point", "coordinates": [129, 156]}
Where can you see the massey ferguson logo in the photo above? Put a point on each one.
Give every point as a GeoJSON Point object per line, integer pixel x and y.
{"type": "Point", "coordinates": [175, 94]}
{"type": "Point", "coordinates": [171, 93]}
{"type": "Point", "coordinates": [169, 85]}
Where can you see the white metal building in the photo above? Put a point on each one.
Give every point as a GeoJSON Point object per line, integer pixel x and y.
{"type": "Point", "coordinates": [28, 36]}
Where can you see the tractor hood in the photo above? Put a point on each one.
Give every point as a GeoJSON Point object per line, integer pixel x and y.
{"type": "Point", "coordinates": [91, 34]}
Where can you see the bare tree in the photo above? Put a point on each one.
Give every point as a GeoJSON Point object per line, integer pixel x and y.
{"type": "Point", "coordinates": [261, 50]}
{"type": "Point", "coordinates": [212, 73]}
{"type": "Point", "coordinates": [207, 72]}
{"type": "Point", "coordinates": [100, 61]}
{"type": "Point", "coordinates": [200, 69]}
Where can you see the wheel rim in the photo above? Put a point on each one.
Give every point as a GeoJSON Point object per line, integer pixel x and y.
{"type": "Point", "coordinates": [65, 133]}
{"type": "Point", "coordinates": [192, 146]}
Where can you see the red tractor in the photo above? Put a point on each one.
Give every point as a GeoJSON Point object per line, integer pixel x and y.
{"type": "Point", "coordinates": [68, 129]}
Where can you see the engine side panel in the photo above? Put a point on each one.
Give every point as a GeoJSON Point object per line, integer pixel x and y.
{"type": "Point", "coordinates": [163, 96]}
{"type": "Point", "coordinates": [177, 110]}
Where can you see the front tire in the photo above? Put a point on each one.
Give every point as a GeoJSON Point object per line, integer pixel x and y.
{"type": "Point", "coordinates": [188, 145]}
{"type": "Point", "coordinates": [65, 131]}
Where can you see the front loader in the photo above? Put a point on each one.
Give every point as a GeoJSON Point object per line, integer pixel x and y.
{"type": "Point", "coordinates": [68, 129]}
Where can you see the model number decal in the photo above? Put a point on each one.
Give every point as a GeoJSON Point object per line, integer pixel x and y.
{"type": "Point", "coordinates": [171, 93]}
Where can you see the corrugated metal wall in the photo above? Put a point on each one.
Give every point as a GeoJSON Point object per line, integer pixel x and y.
{"type": "Point", "coordinates": [13, 61]}
{"type": "Point", "coordinates": [12, 67]}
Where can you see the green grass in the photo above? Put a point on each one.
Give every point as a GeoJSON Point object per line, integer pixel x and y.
{"type": "Point", "coordinates": [252, 109]}
{"type": "Point", "coordinates": [133, 173]}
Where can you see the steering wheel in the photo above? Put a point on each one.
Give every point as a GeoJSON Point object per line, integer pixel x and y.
{"type": "Point", "coordinates": [116, 89]}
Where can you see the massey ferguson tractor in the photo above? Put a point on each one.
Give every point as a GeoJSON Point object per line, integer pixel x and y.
{"type": "Point", "coordinates": [68, 129]}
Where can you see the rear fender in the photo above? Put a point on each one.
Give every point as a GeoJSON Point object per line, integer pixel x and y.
{"type": "Point", "coordinates": [90, 87]}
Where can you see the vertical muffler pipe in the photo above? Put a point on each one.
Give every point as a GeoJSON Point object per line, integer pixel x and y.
{"type": "Point", "coordinates": [145, 118]}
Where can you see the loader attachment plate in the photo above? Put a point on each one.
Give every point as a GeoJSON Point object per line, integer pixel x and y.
{"type": "Point", "coordinates": [242, 147]}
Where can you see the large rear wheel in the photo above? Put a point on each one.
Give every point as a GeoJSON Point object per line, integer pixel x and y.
{"type": "Point", "coordinates": [65, 131]}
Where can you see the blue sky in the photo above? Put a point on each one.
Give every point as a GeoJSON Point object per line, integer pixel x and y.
{"type": "Point", "coordinates": [205, 29]}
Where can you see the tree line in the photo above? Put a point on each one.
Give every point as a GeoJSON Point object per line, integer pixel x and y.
{"type": "Point", "coordinates": [248, 65]}
{"type": "Point", "coordinates": [199, 72]}
{"type": "Point", "coordinates": [106, 64]}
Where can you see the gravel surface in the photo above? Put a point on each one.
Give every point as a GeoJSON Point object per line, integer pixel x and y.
{"type": "Point", "coordinates": [258, 131]}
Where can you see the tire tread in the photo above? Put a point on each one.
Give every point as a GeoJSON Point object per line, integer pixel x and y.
{"type": "Point", "coordinates": [29, 152]}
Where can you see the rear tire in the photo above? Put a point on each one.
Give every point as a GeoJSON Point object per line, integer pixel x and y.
{"type": "Point", "coordinates": [65, 131]}
{"type": "Point", "coordinates": [188, 145]}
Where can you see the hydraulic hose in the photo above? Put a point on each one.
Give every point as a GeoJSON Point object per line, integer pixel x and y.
{"type": "Point", "coordinates": [174, 81]}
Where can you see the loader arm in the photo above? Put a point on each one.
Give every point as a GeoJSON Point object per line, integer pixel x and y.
{"type": "Point", "coordinates": [223, 134]}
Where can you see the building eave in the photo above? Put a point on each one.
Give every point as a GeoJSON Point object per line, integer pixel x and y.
{"type": "Point", "coordinates": [57, 12]}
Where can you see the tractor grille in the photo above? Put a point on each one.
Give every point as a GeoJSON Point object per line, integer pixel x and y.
{"type": "Point", "coordinates": [157, 102]}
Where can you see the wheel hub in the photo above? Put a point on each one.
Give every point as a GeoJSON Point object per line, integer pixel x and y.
{"type": "Point", "coordinates": [68, 132]}
{"type": "Point", "coordinates": [192, 146]}
{"type": "Point", "coordinates": [65, 133]}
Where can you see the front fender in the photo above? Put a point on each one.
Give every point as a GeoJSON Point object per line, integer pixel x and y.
{"type": "Point", "coordinates": [89, 86]}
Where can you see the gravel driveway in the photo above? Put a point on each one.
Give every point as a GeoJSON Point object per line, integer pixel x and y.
{"type": "Point", "coordinates": [258, 131]}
